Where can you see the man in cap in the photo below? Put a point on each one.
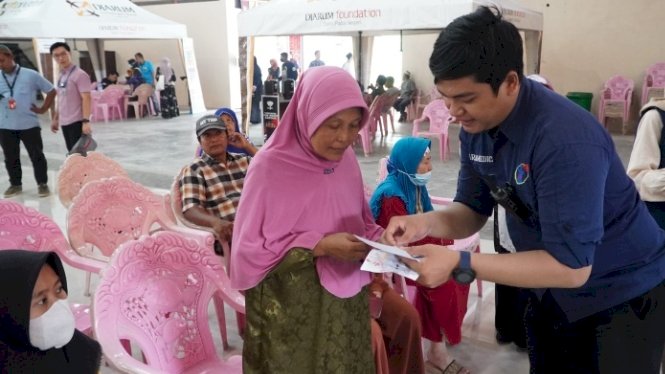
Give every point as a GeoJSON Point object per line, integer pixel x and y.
{"type": "Point", "coordinates": [211, 185]}
{"type": "Point", "coordinates": [19, 121]}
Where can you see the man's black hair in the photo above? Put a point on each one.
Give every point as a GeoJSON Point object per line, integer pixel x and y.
{"type": "Point", "coordinates": [58, 45]}
{"type": "Point", "coordinates": [138, 54]}
{"type": "Point", "coordinates": [480, 44]}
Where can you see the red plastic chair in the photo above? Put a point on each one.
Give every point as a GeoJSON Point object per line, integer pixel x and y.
{"type": "Point", "coordinates": [25, 228]}
{"type": "Point", "coordinates": [654, 82]}
{"type": "Point", "coordinates": [155, 293]}
{"type": "Point", "coordinates": [437, 115]}
{"type": "Point", "coordinates": [615, 99]}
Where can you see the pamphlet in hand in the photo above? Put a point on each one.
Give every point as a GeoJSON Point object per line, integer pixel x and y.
{"type": "Point", "coordinates": [383, 259]}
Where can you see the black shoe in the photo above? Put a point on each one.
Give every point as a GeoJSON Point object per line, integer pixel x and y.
{"type": "Point", "coordinates": [13, 191]}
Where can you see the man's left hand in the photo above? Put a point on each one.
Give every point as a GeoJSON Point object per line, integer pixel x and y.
{"type": "Point", "coordinates": [86, 129]}
{"type": "Point", "coordinates": [39, 110]}
{"type": "Point", "coordinates": [435, 264]}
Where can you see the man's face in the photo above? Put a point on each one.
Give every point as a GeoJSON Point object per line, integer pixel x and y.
{"type": "Point", "coordinates": [283, 58]}
{"type": "Point", "coordinates": [6, 63]}
{"type": "Point", "coordinates": [214, 142]}
{"type": "Point", "coordinates": [62, 57]}
{"type": "Point", "coordinates": [139, 59]}
{"type": "Point", "coordinates": [475, 106]}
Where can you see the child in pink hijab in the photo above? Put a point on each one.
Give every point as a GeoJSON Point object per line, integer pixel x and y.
{"type": "Point", "coordinates": [294, 250]}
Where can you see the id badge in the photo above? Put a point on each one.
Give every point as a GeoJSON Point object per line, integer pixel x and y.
{"type": "Point", "coordinates": [11, 103]}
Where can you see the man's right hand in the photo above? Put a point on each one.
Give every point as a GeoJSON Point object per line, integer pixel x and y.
{"type": "Point", "coordinates": [402, 230]}
{"type": "Point", "coordinates": [54, 126]}
{"type": "Point", "coordinates": [224, 230]}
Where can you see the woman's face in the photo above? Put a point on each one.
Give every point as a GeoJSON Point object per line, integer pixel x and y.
{"type": "Point", "coordinates": [336, 134]}
{"type": "Point", "coordinates": [425, 165]}
{"type": "Point", "coordinates": [48, 289]}
{"type": "Point", "coordinates": [228, 121]}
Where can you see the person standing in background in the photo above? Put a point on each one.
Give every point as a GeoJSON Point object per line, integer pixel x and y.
{"type": "Point", "coordinates": [20, 123]}
{"type": "Point", "coordinates": [148, 74]}
{"type": "Point", "coordinates": [349, 66]}
{"type": "Point", "coordinates": [317, 60]}
{"type": "Point", "coordinates": [274, 72]}
{"type": "Point", "coordinates": [74, 103]}
{"type": "Point", "coordinates": [257, 87]}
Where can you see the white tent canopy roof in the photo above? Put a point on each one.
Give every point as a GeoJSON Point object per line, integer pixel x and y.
{"type": "Point", "coordinates": [84, 19]}
{"type": "Point", "coordinates": [300, 17]}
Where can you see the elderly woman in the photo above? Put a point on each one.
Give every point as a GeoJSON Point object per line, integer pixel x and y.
{"type": "Point", "coordinates": [294, 246]}
{"type": "Point", "coordinates": [37, 333]}
{"type": "Point", "coordinates": [403, 192]}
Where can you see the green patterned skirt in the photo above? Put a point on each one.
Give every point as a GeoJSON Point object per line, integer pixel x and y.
{"type": "Point", "coordinates": [295, 326]}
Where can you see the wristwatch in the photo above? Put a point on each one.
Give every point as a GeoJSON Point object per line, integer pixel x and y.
{"type": "Point", "coordinates": [464, 274]}
{"type": "Point", "coordinates": [85, 120]}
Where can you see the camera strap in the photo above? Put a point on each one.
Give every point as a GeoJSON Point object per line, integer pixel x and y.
{"type": "Point", "coordinates": [508, 199]}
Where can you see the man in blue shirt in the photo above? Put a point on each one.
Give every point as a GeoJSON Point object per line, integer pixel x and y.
{"type": "Point", "coordinates": [587, 249]}
{"type": "Point", "coordinates": [289, 69]}
{"type": "Point", "coordinates": [19, 122]}
{"type": "Point", "coordinates": [148, 75]}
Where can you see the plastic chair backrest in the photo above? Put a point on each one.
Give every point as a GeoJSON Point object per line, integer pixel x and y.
{"type": "Point", "coordinates": [112, 95]}
{"type": "Point", "coordinates": [109, 212]}
{"type": "Point", "coordinates": [655, 76]}
{"type": "Point", "coordinates": [438, 115]}
{"type": "Point", "coordinates": [78, 170]}
{"type": "Point", "coordinates": [617, 88]}
{"type": "Point", "coordinates": [143, 92]}
{"type": "Point", "coordinates": [155, 293]}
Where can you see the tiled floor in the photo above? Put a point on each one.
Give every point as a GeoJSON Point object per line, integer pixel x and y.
{"type": "Point", "coordinates": [153, 151]}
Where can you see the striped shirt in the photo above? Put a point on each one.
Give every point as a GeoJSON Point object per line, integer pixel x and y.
{"type": "Point", "coordinates": [214, 186]}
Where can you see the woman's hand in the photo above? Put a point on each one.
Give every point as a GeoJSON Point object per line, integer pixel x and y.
{"type": "Point", "coordinates": [343, 246]}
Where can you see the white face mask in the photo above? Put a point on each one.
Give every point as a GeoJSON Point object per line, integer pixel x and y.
{"type": "Point", "coordinates": [53, 329]}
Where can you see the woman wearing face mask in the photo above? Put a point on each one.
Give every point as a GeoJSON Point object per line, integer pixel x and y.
{"type": "Point", "coordinates": [37, 333]}
{"type": "Point", "coordinates": [403, 192]}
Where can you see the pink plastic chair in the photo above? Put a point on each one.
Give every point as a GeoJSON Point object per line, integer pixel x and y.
{"type": "Point", "coordinates": [25, 228]}
{"type": "Point", "coordinates": [438, 116]}
{"type": "Point", "coordinates": [418, 103]}
{"type": "Point", "coordinates": [615, 99]}
{"type": "Point", "coordinates": [109, 102]}
{"type": "Point", "coordinates": [155, 293]}
{"type": "Point", "coordinates": [365, 135]}
{"type": "Point", "coordinates": [78, 170]}
{"type": "Point", "coordinates": [387, 112]}
{"type": "Point", "coordinates": [654, 82]}
{"type": "Point", "coordinates": [143, 94]}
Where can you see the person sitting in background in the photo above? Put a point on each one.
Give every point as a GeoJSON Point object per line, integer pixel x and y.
{"type": "Point", "coordinates": [135, 80]}
{"type": "Point", "coordinates": [404, 192]}
{"type": "Point", "coordinates": [378, 89]}
{"type": "Point", "coordinates": [391, 90]}
{"type": "Point", "coordinates": [210, 187]}
{"type": "Point", "coordinates": [406, 94]}
{"type": "Point", "coordinates": [111, 78]}
{"type": "Point", "coordinates": [37, 327]}
{"type": "Point", "coordinates": [228, 117]}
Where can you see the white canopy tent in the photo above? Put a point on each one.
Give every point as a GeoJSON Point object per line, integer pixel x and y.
{"type": "Point", "coordinates": [94, 21]}
{"type": "Point", "coordinates": [374, 17]}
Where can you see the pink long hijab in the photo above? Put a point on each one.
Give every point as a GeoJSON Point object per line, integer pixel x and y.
{"type": "Point", "coordinates": [293, 198]}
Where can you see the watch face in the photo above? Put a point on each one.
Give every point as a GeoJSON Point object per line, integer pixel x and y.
{"type": "Point", "coordinates": [464, 276]}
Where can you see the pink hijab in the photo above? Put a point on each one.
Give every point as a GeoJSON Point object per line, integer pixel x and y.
{"type": "Point", "coordinates": [293, 198]}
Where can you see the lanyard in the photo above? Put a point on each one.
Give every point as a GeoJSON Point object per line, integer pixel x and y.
{"type": "Point", "coordinates": [11, 86]}
{"type": "Point", "coordinates": [64, 85]}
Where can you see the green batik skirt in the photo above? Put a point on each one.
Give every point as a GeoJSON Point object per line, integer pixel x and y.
{"type": "Point", "coordinates": [295, 326]}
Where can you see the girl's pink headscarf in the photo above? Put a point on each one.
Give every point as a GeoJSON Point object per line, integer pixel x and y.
{"type": "Point", "coordinates": [293, 198]}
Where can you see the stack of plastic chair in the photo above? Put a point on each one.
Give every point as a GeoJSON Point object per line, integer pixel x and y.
{"type": "Point", "coordinates": [25, 228]}
{"type": "Point", "coordinates": [155, 294]}
{"type": "Point", "coordinates": [654, 82]}
{"type": "Point", "coordinates": [387, 112]}
{"type": "Point", "coordinates": [143, 94]}
{"type": "Point", "coordinates": [615, 99]}
{"type": "Point", "coordinates": [109, 103]}
{"type": "Point", "coordinates": [78, 170]}
{"type": "Point", "coordinates": [438, 116]}
{"type": "Point", "coordinates": [417, 104]}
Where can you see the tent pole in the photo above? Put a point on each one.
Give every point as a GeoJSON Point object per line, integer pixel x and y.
{"type": "Point", "coordinates": [360, 57]}
{"type": "Point", "coordinates": [250, 82]}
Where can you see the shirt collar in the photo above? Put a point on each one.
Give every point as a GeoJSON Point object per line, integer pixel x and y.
{"type": "Point", "coordinates": [212, 162]}
{"type": "Point", "coordinates": [513, 127]}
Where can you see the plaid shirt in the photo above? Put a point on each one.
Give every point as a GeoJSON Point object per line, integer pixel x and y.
{"type": "Point", "coordinates": [214, 186]}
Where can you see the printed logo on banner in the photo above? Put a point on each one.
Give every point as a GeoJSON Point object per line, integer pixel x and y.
{"type": "Point", "coordinates": [18, 6]}
{"type": "Point", "coordinates": [97, 8]}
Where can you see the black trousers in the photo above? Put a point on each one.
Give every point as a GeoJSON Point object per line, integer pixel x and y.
{"type": "Point", "coordinates": [10, 140]}
{"type": "Point", "coordinates": [401, 103]}
{"type": "Point", "coordinates": [72, 134]}
{"type": "Point", "coordinates": [626, 338]}
{"type": "Point", "coordinates": [510, 305]}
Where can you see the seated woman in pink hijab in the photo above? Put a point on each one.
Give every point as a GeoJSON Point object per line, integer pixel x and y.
{"type": "Point", "coordinates": [294, 249]}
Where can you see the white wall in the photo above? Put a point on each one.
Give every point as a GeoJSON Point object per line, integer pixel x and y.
{"type": "Point", "coordinates": [212, 25]}
{"type": "Point", "coordinates": [416, 50]}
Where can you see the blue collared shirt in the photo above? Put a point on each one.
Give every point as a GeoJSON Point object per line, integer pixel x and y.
{"type": "Point", "coordinates": [25, 90]}
{"type": "Point", "coordinates": [563, 166]}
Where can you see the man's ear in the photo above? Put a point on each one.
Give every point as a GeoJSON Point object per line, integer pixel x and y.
{"type": "Point", "coordinates": [512, 82]}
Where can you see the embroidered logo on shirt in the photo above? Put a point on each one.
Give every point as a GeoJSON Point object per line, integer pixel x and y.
{"type": "Point", "coordinates": [522, 173]}
{"type": "Point", "coordinates": [480, 158]}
